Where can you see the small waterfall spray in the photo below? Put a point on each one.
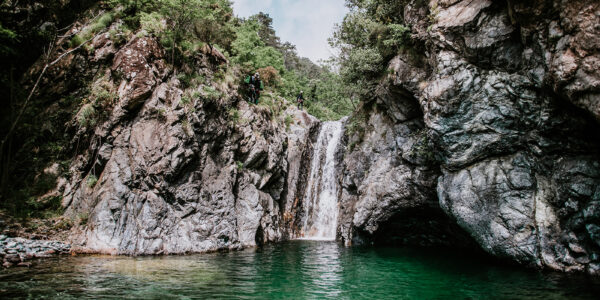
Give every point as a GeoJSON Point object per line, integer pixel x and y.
{"type": "Point", "coordinates": [320, 197]}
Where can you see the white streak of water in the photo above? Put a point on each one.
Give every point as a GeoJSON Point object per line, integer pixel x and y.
{"type": "Point", "coordinates": [320, 198]}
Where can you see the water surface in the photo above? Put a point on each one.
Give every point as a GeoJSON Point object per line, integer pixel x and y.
{"type": "Point", "coordinates": [292, 270]}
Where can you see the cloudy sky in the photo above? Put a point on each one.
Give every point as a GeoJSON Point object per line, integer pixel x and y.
{"type": "Point", "coordinates": [304, 23]}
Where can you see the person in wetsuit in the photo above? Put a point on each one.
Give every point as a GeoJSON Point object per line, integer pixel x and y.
{"type": "Point", "coordinates": [300, 100]}
{"type": "Point", "coordinates": [255, 88]}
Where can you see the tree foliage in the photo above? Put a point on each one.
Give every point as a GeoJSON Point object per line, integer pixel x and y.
{"type": "Point", "coordinates": [257, 47]}
{"type": "Point", "coordinates": [181, 24]}
{"type": "Point", "coordinates": [7, 41]}
{"type": "Point", "coordinates": [205, 20]}
{"type": "Point", "coordinates": [370, 34]}
{"type": "Point", "coordinates": [250, 50]}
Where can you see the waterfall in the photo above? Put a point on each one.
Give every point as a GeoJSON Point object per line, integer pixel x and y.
{"type": "Point", "coordinates": [320, 197]}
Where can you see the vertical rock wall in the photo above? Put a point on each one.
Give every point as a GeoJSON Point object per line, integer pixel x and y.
{"type": "Point", "coordinates": [507, 96]}
{"type": "Point", "coordinates": [168, 167]}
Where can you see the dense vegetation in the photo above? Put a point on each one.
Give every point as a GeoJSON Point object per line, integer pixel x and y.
{"type": "Point", "coordinates": [184, 28]}
{"type": "Point", "coordinates": [370, 35]}
{"type": "Point", "coordinates": [250, 44]}
{"type": "Point", "coordinates": [26, 145]}
{"type": "Point", "coordinates": [326, 96]}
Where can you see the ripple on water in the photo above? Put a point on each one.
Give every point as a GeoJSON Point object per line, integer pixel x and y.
{"type": "Point", "coordinates": [296, 269]}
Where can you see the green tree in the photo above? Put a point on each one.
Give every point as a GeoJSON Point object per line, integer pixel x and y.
{"type": "Point", "coordinates": [7, 40]}
{"type": "Point", "coordinates": [214, 26]}
{"type": "Point", "coordinates": [180, 15]}
{"type": "Point", "coordinates": [371, 34]}
{"type": "Point", "coordinates": [206, 20]}
{"type": "Point", "coordinates": [266, 31]}
{"type": "Point", "coordinates": [251, 51]}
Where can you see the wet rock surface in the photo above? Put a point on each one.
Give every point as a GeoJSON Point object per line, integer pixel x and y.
{"type": "Point", "coordinates": [500, 144]}
{"type": "Point", "coordinates": [484, 135]}
{"type": "Point", "coordinates": [18, 251]}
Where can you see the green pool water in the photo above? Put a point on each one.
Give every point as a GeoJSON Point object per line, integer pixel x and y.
{"type": "Point", "coordinates": [293, 270]}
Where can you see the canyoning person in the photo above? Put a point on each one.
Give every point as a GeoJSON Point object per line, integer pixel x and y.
{"type": "Point", "coordinates": [255, 86]}
{"type": "Point", "coordinates": [300, 100]}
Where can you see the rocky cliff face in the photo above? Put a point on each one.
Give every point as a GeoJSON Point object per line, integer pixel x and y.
{"type": "Point", "coordinates": [167, 164]}
{"type": "Point", "coordinates": [484, 135]}
{"type": "Point", "coordinates": [493, 119]}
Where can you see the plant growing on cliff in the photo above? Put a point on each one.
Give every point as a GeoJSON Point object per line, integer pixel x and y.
{"type": "Point", "coordinates": [371, 34]}
{"type": "Point", "coordinates": [211, 93]}
{"type": "Point", "coordinates": [423, 148]}
{"type": "Point", "coordinates": [357, 124]}
{"type": "Point", "coordinates": [185, 100]}
{"type": "Point", "coordinates": [161, 113]}
{"type": "Point", "coordinates": [91, 180]}
{"type": "Point", "coordinates": [82, 218]}
{"type": "Point", "coordinates": [234, 115]}
{"type": "Point", "coordinates": [7, 39]}
{"type": "Point", "coordinates": [206, 20]}
{"type": "Point", "coordinates": [86, 115]}
{"type": "Point", "coordinates": [88, 31]}
{"type": "Point", "coordinates": [63, 224]}
{"type": "Point", "coordinates": [102, 93]}
{"type": "Point", "coordinates": [187, 128]}
{"type": "Point", "coordinates": [288, 121]}
{"type": "Point", "coordinates": [152, 23]}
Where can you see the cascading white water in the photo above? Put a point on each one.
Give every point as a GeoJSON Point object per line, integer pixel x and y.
{"type": "Point", "coordinates": [320, 197]}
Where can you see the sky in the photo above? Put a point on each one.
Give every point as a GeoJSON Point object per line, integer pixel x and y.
{"type": "Point", "coordinates": [304, 23]}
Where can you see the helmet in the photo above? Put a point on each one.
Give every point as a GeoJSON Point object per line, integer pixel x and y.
{"type": "Point", "coordinates": [301, 92]}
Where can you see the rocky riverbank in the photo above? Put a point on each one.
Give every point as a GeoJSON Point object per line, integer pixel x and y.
{"type": "Point", "coordinates": [18, 251]}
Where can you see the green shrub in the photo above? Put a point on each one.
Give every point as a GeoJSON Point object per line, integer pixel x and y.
{"type": "Point", "coordinates": [102, 22]}
{"type": "Point", "coordinates": [76, 41]}
{"type": "Point", "coordinates": [250, 51]}
{"type": "Point", "coordinates": [185, 79]}
{"type": "Point", "coordinates": [63, 224]}
{"type": "Point", "coordinates": [288, 121]}
{"type": "Point", "coordinates": [101, 92]}
{"type": "Point", "coordinates": [211, 93]}
{"type": "Point", "coordinates": [8, 39]}
{"type": "Point", "coordinates": [162, 113]}
{"type": "Point", "coordinates": [423, 148]}
{"type": "Point", "coordinates": [91, 180]}
{"type": "Point", "coordinates": [185, 100]}
{"type": "Point", "coordinates": [83, 218]}
{"type": "Point", "coordinates": [105, 97]}
{"type": "Point", "coordinates": [357, 125]}
{"type": "Point", "coordinates": [152, 23]}
{"type": "Point", "coordinates": [234, 115]}
{"type": "Point", "coordinates": [240, 165]}
{"type": "Point", "coordinates": [186, 45]}
{"type": "Point", "coordinates": [86, 115]}
{"type": "Point", "coordinates": [190, 80]}
{"type": "Point", "coordinates": [320, 111]}
{"type": "Point", "coordinates": [88, 32]}
{"type": "Point", "coordinates": [362, 62]}
{"type": "Point", "coordinates": [119, 34]}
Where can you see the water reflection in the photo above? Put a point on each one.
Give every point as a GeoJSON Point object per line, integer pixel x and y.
{"type": "Point", "coordinates": [161, 269]}
{"type": "Point", "coordinates": [296, 269]}
{"type": "Point", "coordinates": [322, 268]}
